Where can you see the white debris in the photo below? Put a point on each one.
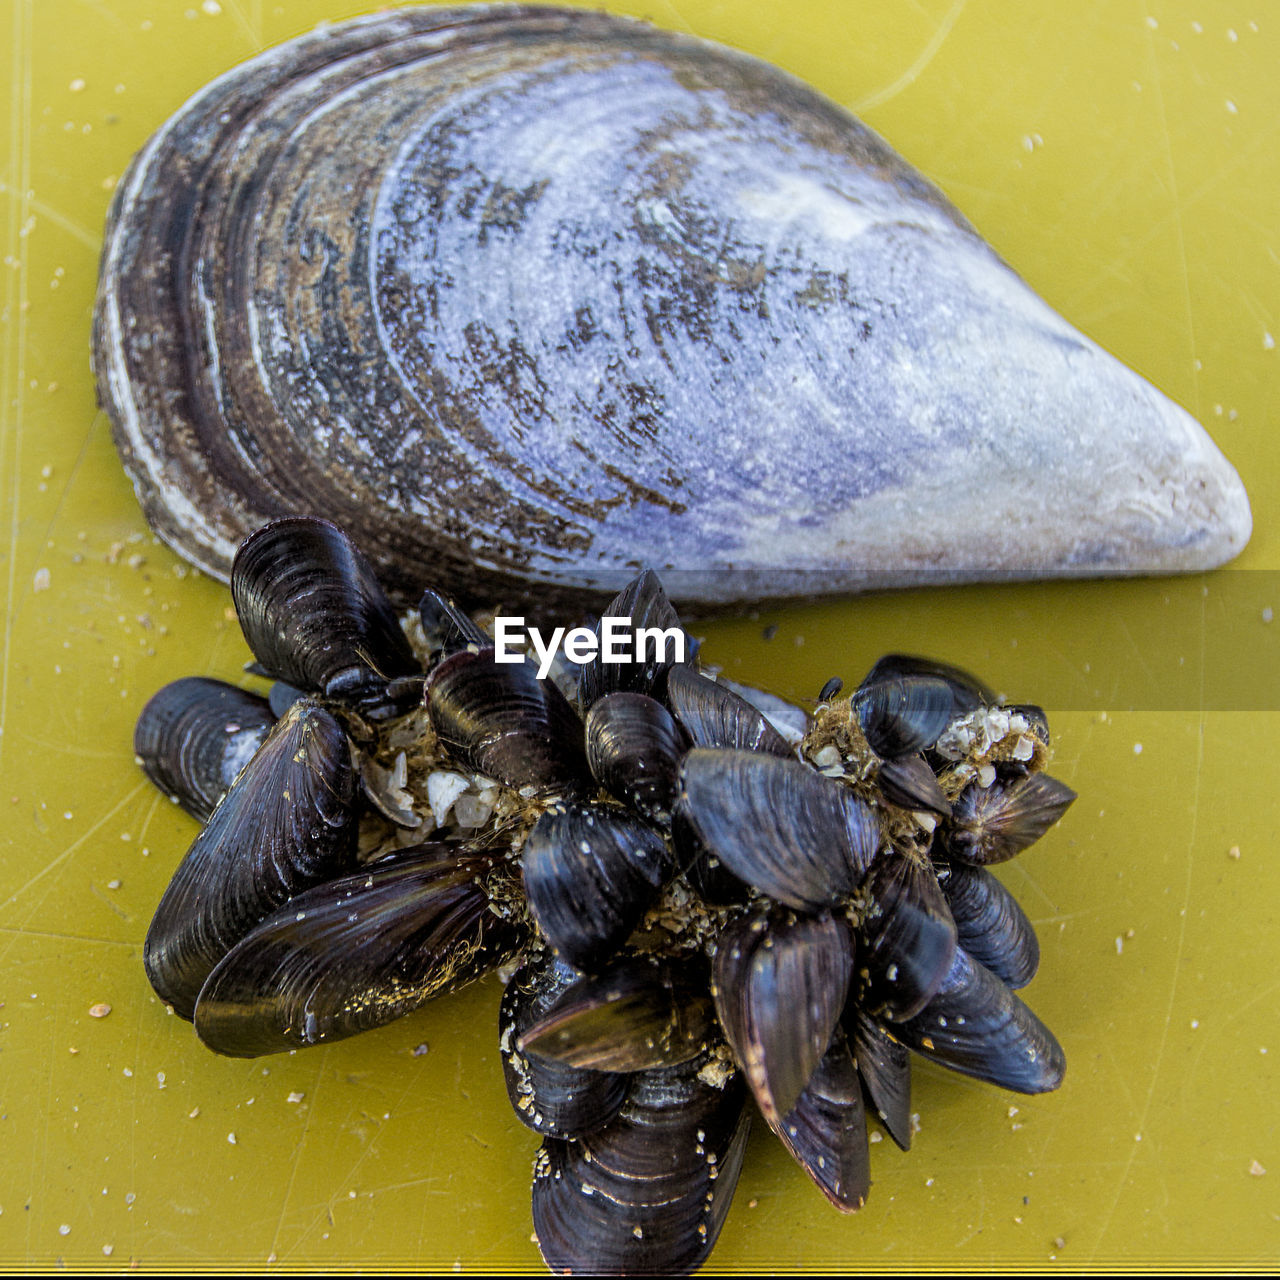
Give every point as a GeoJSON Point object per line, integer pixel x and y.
{"type": "Point", "coordinates": [443, 789]}
{"type": "Point", "coordinates": [473, 810]}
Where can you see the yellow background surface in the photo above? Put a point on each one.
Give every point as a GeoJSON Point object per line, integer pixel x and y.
{"type": "Point", "coordinates": [1122, 156]}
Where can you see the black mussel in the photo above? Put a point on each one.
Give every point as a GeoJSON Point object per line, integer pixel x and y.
{"type": "Point", "coordinates": [715, 716]}
{"type": "Point", "coordinates": [637, 1014]}
{"type": "Point", "coordinates": [903, 714]}
{"type": "Point", "coordinates": [647, 1194]}
{"type": "Point", "coordinates": [357, 952]}
{"type": "Point", "coordinates": [713, 882]}
{"type": "Point", "coordinates": [991, 926]}
{"type": "Point", "coordinates": [289, 822]}
{"type": "Point", "coordinates": [651, 635]}
{"type": "Point", "coordinates": [634, 749]}
{"type": "Point", "coordinates": [590, 873]}
{"type": "Point", "coordinates": [550, 1096]}
{"type": "Point", "coordinates": [884, 1064]}
{"type": "Point", "coordinates": [779, 983]}
{"type": "Point", "coordinates": [831, 689]}
{"type": "Point", "coordinates": [789, 832]}
{"type": "Point", "coordinates": [968, 693]}
{"type": "Point", "coordinates": [992, 824]}
{"type": "Point", "coordinates": [448, 629]}
{"type": "Point", "coordinates": [909, 782]}
{"type": "Point", "coordinates": [195, 735]}
{"type": "Point", "coordinates": [281, 696]}
{"type": "Point", "coordinates": [906, 940]}
{"type": "Point", "coordinates": [502, 721]}
{"type": "Point", "coordinates": [315, 616]}
{"type": "Point", "coordinates": [826, 1131]}
{"type": "Point", "coordinates": [788, 719]}
{"type": "Point", "coordinates": [977, 1026]}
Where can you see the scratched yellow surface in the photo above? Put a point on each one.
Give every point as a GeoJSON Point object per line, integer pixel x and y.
{"type": "Point", "coordinates": [1122, 154]}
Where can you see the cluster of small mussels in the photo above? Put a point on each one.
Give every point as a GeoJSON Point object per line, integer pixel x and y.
{"type": "Point", "coordinates": [705, 893]}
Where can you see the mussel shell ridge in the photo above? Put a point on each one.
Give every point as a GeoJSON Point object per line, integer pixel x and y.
{"type": "Point", "coordinates": [195, 735]}
{"type": "Point", "coordinates": [647, 1194]}
{"type": "Point", "coordinates": [356, 953]}
{"type": "Point", "coordinates": [289, 822]}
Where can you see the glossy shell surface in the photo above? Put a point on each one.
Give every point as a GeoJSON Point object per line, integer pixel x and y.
{"type": "Point", "coordinates": [527, 296]}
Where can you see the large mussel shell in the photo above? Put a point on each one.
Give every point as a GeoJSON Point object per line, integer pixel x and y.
{"type": "Point", "coordinates": [779, 985]}
{"type": "Point", "coordinates": [195, 735]}
{"type": "Point", "coordinates": [289, 822]}
{"type": "Point", "coordinates": [551, 1096]}
{"type": "Point", "coordinates": [726, 329]}
{"type": "Point", "coordinates": [826, 1131]}
{"type": "Point", "coordinates": [885, 1067]}
{"type": "Point", "coordinates": [715, 716]}
{"type": "Point", "coordinates": [635, 1015]}
{"type": "Point", "coordinates": [906, 940]}
{"type": "Point", "coordinates": [502, 721]}
{"type": "Point", "coordinates": [315, 616]}
{"type": "Point", "coordinates": [977, 1026]}
{"type": "Point", "coordinates": [634, 749]}
{"type": "Point", "coordinates": [784, 829]}
{"type": "Point", "coordinates": [992, 824]}
{"type": "Point", "coordinates": [590, 873]}
{"type": "Point", "coordinates": [991, 926]}
{"type": "Point", "coordinates": [355, 953]}
{"type": "Point", "coordinates": [648, 1194]}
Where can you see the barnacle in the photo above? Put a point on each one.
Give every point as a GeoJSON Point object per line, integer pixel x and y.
{"type": "Point", "coordinates": [700, 906]}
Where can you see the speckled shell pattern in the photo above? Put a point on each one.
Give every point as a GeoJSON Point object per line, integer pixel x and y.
{"type": "Point", "coordinates": [523, 296]}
